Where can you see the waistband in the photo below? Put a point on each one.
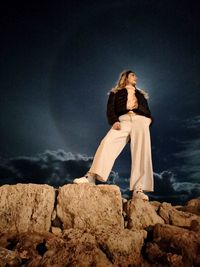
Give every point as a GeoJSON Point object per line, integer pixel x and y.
{"type": "Point", "coordinates": [127, 116]}
{"type": "Point", "coordinates": [131, 113]}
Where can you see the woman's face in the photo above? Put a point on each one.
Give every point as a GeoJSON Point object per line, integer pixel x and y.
{"type": "Point", "coordinates": [132, 78]}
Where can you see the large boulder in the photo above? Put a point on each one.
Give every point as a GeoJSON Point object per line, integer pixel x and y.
{"type": "Point", "coordinates": [173, 246]}
{"type": "Point", "coordinates": [176, 217]}
{"type": "Point", "coordinates": [26, 207]}
{"type": "Point", "coordinates": [87, 206]}
{"type": "Point", "coordinates": [122, 246]}
{"type": "Point", "coordinates": [192, 206]}
{"type": "Point", "coordinates": [75, 247]}
{"type": "Point", "coordinates": [141, 214]}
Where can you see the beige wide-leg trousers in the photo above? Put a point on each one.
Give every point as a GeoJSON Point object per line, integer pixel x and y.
{"type": "Point", "coordinates": [136, 128]}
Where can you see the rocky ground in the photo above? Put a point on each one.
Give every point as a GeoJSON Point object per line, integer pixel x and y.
{"type": "Point", "coordinates": [87, 225]}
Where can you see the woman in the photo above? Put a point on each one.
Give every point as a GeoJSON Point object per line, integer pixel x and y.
{"type": "Point", "coordinates": [129, 115]}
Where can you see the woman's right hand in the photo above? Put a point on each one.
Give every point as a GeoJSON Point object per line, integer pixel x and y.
{"type": "Point", "coordinates": [116, 126]}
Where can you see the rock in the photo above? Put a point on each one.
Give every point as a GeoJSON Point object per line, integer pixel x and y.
{"type": "Point", "coordinates": [53, 215]}
{"type": "Point", "coordinates": [155, 204]}
{"type": "Point", "coordinates": [174, 246]}
{"type": "Point", "coordinates": [23, 247]}
{"type": "Point", "coordinates": [9, 258]}
{"type": "Point", "coordinates": [124, 200]}
{"type": "Point", "coordinates": [195, 226]}
{"type": "Point", "coordinates": [56, 231]}
{"type": "Point", "coordinates": [157, 257]}
{"type": "Point", "coordinates": [192, 206]}
{"type": "Point", "coordinates": [86, 206]}
{"type": "Point", "coordinates": [141, 214]}
{"type": "Point", "coordinates": [164, 211]}
{"type": "Point", "coordinates": [175, 217]}
{"type": "Point", "coordinates": [122, 246]}
{"type": "Point", "coordinates": [25, 207]}
{"type": "Point", "coordinates": [87, 228]}
{"type": "Point", "coordinates": [76, 248]}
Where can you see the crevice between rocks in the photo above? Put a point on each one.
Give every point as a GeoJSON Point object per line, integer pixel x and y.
{"type": "Point", "coordinates": [41, 248]}
{"type": "Point", "coordinates": [105, 250]}
{"type": "Point", "coordinates": [56, 222]}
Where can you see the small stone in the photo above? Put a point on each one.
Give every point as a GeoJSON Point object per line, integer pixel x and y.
{"type": "Point", "coordinates": [56, 231]}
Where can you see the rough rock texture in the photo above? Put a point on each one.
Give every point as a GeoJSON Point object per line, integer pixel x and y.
{"type": "Point", "coordinates": [84, 226]}
{"type": "Point", "coordinates": [174, 246]}
{"type": "Point", "coordinates": [76, 247]}
{"type": "Point", "coordinates": [86, 206]}
{"type": "Point", "coordinates": [192, 206]}
{"type": "Point", "coordinates": [28, 248]}
{"type": "Point", "coordinates": [122, 246]}
{"type": "Point", "coordinates": [25, 207]}
{"type": "Point", "coordinates": [141, 214]}
{"type": "Point", "coordinates": [175, 217]}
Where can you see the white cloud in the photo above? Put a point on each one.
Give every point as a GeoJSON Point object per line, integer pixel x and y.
{"type": "Point", "coordinates": [193, 122]}
{"type": "Point", "coordinates": [52, 167]}
{"type": "Point", "coordinates": [187, 187]}
{"type": "Point", "coordinates": [61, 155]}
{"type": "Point", "coordinates": [59, 167]}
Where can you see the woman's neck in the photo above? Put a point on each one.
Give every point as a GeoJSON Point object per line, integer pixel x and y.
{"type": "Point", "coordinates": [130, 86]}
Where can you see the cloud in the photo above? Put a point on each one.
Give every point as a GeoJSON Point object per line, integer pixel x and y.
{"type": "Point", "coordinates": [61, 155]}
{"type": "Point", "coordinates": [52, 167]}
{"type": "Point", "coordinates": [57, 168]}
{"type": "Point", "coordinates": [166, 188]}
{"type": "Point", "coordinates": [194, 122]}
{"type": "Point", "coordinates": [163, 183]}
{"type": "Point", "coordinates": [187, 188]}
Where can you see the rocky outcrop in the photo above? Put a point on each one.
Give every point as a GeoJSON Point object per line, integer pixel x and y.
{"type": "Point", "coordinates": [192, 206]}
{"type": "Point", "coordinates": [174, 246]}
{"type": "Point", "coordinates": [25, 207]}
{"type": "Point", "coordinates": [88, 225]}
{"type": "Point", "coordinates": [76, 247]}
{"type": "Point", "coordinates": [88, 206]}
{"type": "Point", "coordinates": [141, 214]}
{"type": "Point", "coordinates": [122, 246]}
{"type": "Point", "coordinates": [176, 217]}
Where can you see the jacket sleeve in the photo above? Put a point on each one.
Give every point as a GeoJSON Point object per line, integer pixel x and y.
{"type": "Point", "coordinates": [151, 117]}
{"type": "Point", "coordinates": [111, 115]}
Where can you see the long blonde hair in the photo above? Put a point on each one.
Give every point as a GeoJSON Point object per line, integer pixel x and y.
{"type": "Point", "coordinates": [122, 82]}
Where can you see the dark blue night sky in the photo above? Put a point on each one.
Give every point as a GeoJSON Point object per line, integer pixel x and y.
{"type": "Point", "coordinates": [58, 62]}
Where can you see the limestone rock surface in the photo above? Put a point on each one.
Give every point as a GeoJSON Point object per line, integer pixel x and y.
{"type": "Point", "coordinates": [89, 225]}
{"type": "Point", "coordinates": [177, 217]}
{"type": "Point", "coordinates": [174, 246]}
{"type": "Point", "coordinates": [75, 247]}
{"type": "Point", "coordinates": [25, 207]}
{"type": "Point", "coordinates": [141, 214]}
{"type": "Point", "coordinates": [122, 246]}
{"type": "Point", "coordinates": [86, 206]}
{"type": "Point", "coordinates": [192, 206]}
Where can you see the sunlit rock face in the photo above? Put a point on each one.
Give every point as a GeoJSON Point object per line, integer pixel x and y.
{"type": "Point", "coordinates": [87, 206]}
{"type": "Point", "coordinates": [92, 225]}
{"type": "Point", "coordinates": [25, 207]}
{"type": "Point", "coordinates": [141, 214]}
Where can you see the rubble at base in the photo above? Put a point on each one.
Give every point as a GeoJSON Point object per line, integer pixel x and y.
{"type": "Point", "coordinates": [91, 225]}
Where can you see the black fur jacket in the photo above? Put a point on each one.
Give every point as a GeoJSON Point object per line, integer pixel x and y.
{"type": "Point", "coordinates": [116, 105]}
